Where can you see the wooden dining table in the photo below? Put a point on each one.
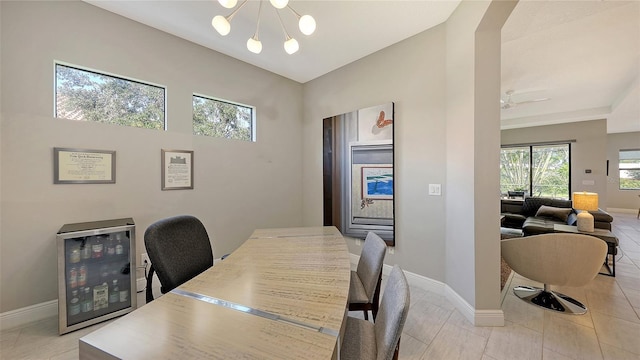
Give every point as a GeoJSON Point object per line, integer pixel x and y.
{"type": "Point", "coordinates": [281, 295]}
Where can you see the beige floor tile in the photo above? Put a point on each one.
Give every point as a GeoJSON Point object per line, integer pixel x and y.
{"type": "Point", "coordinates": [633, 296]}
{"type": "Point", "coordinates": [613, 305]}
{"type": "Point", "coordinates": [626, 282]}
{"type": "Point", "coordinates": [604, 284]}
{"type": "Point", "coordinates": [454, 343]}
{"type": "Point", "coordinates": [616, 332]}
{"type": "Point", "coordinates": [514, 341]}
{"type": "Point", "coordinates": [520, 312]}
{"type": "Point", "coordinates": [627, 269]}
{"type": "Point", "coordinates": [460, 321]}
{"type": "Point", "coordinates": [584, 319]}
{"type": "Point", "coordinates": [487, 357]}
{"type": "Point", "coordinates": [411, 348]}
{"type": "Point", "coordinates": [548, 354]}
{"type": "Point", "coordinates": [69, 355]}
{"type": "Point", "coordinates": [613, 353]}
{"type": "Point", "coordinates": [425, 320]}
{"type": "Point", "coordinates": [570, 339]}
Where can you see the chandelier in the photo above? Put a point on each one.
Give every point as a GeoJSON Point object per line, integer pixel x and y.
{"type": "Point", "coordinates": [306, 23]}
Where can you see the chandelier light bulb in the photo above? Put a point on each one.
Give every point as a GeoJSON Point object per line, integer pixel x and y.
{"type": "Point", "coordinates": [254, 45]}
{"type": "Point", "coordinates": [291, 46]}
{"type": "Point", "coordinates": [229, 4]}
{"type": "Point", "coordinates": [307, 24]}
{"type": "Point", "coordinates": [222, 26]}
{"type": "Point", "coordinates": [279, 4]}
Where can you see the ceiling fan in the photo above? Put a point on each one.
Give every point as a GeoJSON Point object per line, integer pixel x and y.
{"type": "Point", "coordinates": [509, 103]}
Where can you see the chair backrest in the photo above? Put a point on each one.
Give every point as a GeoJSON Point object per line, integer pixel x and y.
{"type": "Point", "coordinates": [392, 315]}
{"type": "Point", "coordinates": [370, 264]}
{"type": "Point", "coordinates": [179, 249]}
{"type": "Point", "coordinates": [556, 258]}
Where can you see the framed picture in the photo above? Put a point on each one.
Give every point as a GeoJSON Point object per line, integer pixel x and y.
{"type": "Point", "coordinates": [83, 166]}
{"type": "Point", "coordinates": [177, 169]}
{"type": "Point", "coordinates": [377, 182]}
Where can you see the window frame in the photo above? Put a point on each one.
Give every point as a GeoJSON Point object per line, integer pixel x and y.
{"type": "Point", "coordinates": [253, 132]}
{"type": "Point", "coordinates": [105, 73]}
{"type": "Point", "coordinates": [531, 146]}
{"type": "Point", "coordinates": [620, 151]}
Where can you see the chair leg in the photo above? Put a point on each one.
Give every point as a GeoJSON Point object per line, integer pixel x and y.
{"type": "Point", "coordinates": [549, 299]}
{"type": "Point", "coordinates": [376, 298]}
{"type": "Point", "coordinates": [366, 314]}
{"type": "Point", "coordinates": [149, 289]}
{"type": "Point", "coordinates": [397, 351]}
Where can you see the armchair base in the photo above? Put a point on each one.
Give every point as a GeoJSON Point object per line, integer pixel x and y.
{"type": "Point", "coordinates": [550, 300]}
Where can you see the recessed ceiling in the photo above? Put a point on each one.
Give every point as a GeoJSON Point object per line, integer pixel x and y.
{"type": "Point", "coordinates": [582, 55]}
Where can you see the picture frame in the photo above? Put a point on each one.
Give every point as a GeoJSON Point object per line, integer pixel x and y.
{"type": "Point", "coordinates": [177, 169]}
{"type": "Point", "coordinates": [377, 182]}
{"type": "Point", "coordinates": [83, 166]}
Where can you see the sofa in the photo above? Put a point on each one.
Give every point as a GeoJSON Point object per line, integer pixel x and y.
{"type": "Point", "coordinates": [538, 215]}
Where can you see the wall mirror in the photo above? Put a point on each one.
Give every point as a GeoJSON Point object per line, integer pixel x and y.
{"type": "Point", "coordinates": [358, 172]}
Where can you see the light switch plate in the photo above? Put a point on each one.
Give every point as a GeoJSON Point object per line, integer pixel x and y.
{"type": "Point", "coordinates": [435, 189]}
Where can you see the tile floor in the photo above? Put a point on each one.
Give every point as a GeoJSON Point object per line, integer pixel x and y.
{"type": "Point", "coordinates": [436, 330]}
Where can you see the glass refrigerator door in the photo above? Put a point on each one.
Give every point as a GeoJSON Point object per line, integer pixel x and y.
{"type": "Point", "coordinates": [97, 275]}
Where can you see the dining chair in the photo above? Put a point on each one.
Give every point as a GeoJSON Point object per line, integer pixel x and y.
{"type": "Point", "coordinates": [364, 340]}
{"type": "Point", "coordinates": [364, 291]}
{"type": "Point", "coordinates": [179, 249]}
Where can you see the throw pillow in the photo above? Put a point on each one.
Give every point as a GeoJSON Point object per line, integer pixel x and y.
{"type": "Point", "coordinates": [559, 213]}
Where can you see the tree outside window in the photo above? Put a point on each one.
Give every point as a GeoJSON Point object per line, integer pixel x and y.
{"type": "Point", "coordinates": [629, 169]}
{"type": "Point", "coordinates": [222, 119]}
{"type": "Point", "coordinates": [536, 170]}
{"type": "Point", "coordinates": [91, 96]}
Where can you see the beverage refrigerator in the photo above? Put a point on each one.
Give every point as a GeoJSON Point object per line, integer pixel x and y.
{"type": "Point", "coordinates": [96, 272]}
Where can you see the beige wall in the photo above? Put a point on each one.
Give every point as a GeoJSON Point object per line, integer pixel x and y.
{"type": "Point", "coordinates": [234, 180]}
{"type": "Point", "coordinates": [616, 198]}
{"type": "Point", "coordinates": [411, 74]}
{"type": "Point", "coordinates": [418, 74]}
{"type": "Point", "coordinates": [589, 151]}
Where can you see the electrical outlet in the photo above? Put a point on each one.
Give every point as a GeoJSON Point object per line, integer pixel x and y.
{"type": "Point", "coordinates": [145, 260]}
{"type": "Point", "coordinates": [391, 249]}
{"type": "Point", "coordinates": [358, 242]}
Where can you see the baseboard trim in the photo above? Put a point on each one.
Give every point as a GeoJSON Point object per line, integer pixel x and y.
{"type": "Point", "coordinates": [476, 317]}
{"type": "Point", "coordinates": [25, 315]}
{"type": "Point", "coordinates": [620, 210]}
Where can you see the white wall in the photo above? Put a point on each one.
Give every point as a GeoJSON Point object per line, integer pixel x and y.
{"type": "Point", "coordinates": [411, 74]}
{"type": "Point", "coordinates": [239, 186]}
{"type": "Point", "coordinates": [616, 198]}
{"type": "Point", "coordinates": [439, 130]}
{"type": "Point", "coordinates": [472, 148]}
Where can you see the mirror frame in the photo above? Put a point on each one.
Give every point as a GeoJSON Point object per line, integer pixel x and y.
{"type": "Point", "coordinates": [350, 142]}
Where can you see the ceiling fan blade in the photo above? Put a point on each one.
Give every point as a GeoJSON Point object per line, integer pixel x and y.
{"type": "Point", "coordinates": [532, 101]}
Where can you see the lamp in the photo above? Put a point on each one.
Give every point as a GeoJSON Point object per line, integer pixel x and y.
{"type": "Point", "coordinates": [585, 201]}
{"type": "Point", "coordinates": [306, 24]}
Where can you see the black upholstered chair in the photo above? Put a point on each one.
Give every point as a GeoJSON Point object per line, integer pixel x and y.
{"type": "Point", "coordinates": [364, 340]}
{"type": "Point", "coordinates": [179, 249]}
{"type": "Point", "coordinates": [364, 291]}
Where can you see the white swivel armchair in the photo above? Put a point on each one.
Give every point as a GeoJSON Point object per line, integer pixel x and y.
{"type": "Point", "coordinates": [554, 259]}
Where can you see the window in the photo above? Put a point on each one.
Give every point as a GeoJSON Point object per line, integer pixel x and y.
{"type": "Point", "coordinates": [91, 96]}
{"type": "Point", "coordinates": [535, 170]}
{"type": "Point", "coordinates": [223, 119]}
{"type": "Point", "coordinates": [629, 169]}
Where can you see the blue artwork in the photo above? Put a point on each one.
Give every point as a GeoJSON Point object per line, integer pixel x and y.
{"type": "Point", "coordinates": [377, 183]}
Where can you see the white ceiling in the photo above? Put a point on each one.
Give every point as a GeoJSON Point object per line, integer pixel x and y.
{"type": "Point", "coordinates": [584, 55]}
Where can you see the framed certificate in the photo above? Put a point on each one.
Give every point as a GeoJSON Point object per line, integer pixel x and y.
{"type": "Point", "coordinates": [82, 166]}
{"type": "Point", "coordinates": [177, 169]}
